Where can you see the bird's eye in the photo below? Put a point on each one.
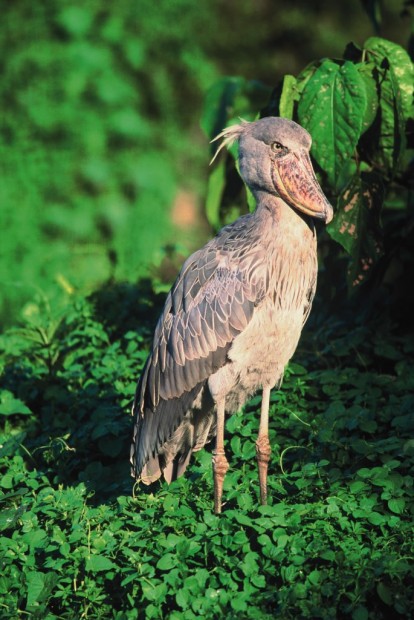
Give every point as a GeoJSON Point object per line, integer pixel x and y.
{"type": "Point", "coordinates": [277, 147]}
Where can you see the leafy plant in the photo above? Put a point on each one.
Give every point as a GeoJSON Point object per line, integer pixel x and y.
{"type": "Point", "coordinates": [358, 111]}
{"type": "Point", "coordinates": [77, 538]}
{"type": "Point", "coordinates": [335, 540]}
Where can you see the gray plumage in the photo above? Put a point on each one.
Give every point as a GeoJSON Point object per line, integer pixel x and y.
{"type": "Point", "coordinates": [233, 318]}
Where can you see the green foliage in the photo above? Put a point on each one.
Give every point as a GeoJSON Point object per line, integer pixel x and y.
{"type": "Point", "coordinates": [335, 540]}
{"type": "Point", "coordinates": [332, 107]}
{"type": "Point", "coordinates": [93, 136]}
{"type": "Point", "coordinates": [100, 109]}
{"type": "Point", "coordinates": [357, 110]}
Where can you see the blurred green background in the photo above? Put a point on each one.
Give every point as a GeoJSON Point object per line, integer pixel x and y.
{"type": "Point", "coordinates": [103, 162]}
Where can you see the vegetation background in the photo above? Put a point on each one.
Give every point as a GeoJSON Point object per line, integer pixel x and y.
{"type": "Point", "coordinates": [104, 186]}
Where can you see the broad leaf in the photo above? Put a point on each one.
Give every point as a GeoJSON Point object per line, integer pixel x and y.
{"type": "Point", "coordinates": [397, 505]}
{"type": "Point", "coordinates": [305, 75]}
{"type": "Point", "coordinates": [287, 97]}
{"type": "Point", "coordinates": [365, 70]}
{"type": "Point", "coordinates": [401, 66]}
{"type": "Point", "coordinates": [9, 405]}
{"type": "Point", "coordinates": [97, 563]}
{"type": "Point", "coordinates": [395, 78]}
{"type": "Point", "coordinates": [35, 583]}
{"type": "Point", "coordinates": [356, 224]}
{"type": "Point", "coordinates": [332, 108]}
{"type": "Point", "coordinates": [167, 562]}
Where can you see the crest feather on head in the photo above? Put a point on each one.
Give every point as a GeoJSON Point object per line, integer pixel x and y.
{"type": "Point", "coordinates": [230, 135]}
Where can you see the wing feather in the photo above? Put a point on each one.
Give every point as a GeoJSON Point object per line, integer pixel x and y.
{"type": "Point", "coordinates": [212, 301]}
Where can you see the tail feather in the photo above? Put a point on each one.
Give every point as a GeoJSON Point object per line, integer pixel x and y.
{"type": "Point", "coordinates": [154, 429]}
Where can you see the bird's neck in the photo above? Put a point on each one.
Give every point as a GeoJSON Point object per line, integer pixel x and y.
{"type": "Point", "coordinates": [270, 208]}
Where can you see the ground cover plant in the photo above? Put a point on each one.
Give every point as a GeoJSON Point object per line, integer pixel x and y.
{"type": "Point", "coordinates": [335, 540]}
{"type": "Point", "coordinates": [77, 538]}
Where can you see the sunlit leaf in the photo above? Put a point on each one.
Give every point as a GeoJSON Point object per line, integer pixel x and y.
{"type": "Point", "coordinates": [167, 562]}
{"type": "Point", "coordinates": [9, 405]}
{"type": "Point", "coordinates": [287, 98]}
{"type": "Point", "coordinates": [76, 20]}
{"type": "Point", "coordinates": [304, 76]}
{"type": "Point", "coordinates": [332, 108]}
{"type": "Point", "coordinates": [397, 505]}
{"type": "Point", "coordinates": [35, 585]}
{"type": "Point", "coordinates": [97, 563]}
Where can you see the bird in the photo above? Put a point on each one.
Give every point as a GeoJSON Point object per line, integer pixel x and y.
{"type": "Point", "coordinates": [233, 318]}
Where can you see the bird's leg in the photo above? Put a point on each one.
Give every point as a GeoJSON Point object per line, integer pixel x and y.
{"type": "Point", "coordinates": [263, 449]}
{"type": "Point", "coordinates": [220, 463]}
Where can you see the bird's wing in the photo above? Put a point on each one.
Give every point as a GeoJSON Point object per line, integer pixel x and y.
{"type": "Point", "coordinates": [211, 302]}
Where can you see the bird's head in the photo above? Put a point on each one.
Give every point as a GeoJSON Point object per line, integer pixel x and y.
{"type": "Point", "coordinates": [274, 158]}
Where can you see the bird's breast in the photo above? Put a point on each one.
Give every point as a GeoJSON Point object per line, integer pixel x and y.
{"type": "Point", "coordinates": [260, 353]}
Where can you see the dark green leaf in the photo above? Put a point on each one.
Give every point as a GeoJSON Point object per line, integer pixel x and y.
{"type": "Point", "coordinates": [215, 188]}
{"type": "Point", "coordinates": [401, 66]}
{"type": "Point", "coordinates": [356, 224]}
{"type": "Point", "coordinates": [384, 593]}
{"type": "Point", "coordinates": [373, 9]}
{"type": "Point", "coordinates": [366, 71]}
{"type": "Point", "coordinates": [230, 98]}
{"type": "Point", "coordinates": [395, 83]}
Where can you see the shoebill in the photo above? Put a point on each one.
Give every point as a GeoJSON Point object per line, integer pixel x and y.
{"type": "Point", "coordinates": [233, 318]}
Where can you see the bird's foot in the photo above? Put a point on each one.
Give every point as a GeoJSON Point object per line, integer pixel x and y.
{"type": "Point", "coordinates": [263, 453]}
{"type": "Point", "coordinates": [220, 467]}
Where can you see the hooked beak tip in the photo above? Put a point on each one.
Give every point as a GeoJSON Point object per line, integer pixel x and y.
{"type": "Point", "coordinates": [328, 214]}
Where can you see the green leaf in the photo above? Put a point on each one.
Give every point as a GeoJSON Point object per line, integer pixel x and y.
{"type": "Point", "coordinates": [357, 486]}
{"type": "Point", "coordinates": [36, 539]}
{"type": "Point", "coordinates": [167, 562]}
{"type": "Point", "coordinates": [287, 97]}
{"type": "Point", "coordinates": [360, 613]}
{"type": "Point", "coordinates": [366, 71]}
{"type": "Point", "coordinates": [395, 83]}
{"type": "Point", "coordinates": [97, 563]}
{"type": "Point", "coordinates": [35, 584]}
{"type": "Point", "coordinates": [9, 405]}
{"type": "Point", "coordinates": [182, 597]}
{"type": "Point", "coordinates": [76, 20]}
{"type": "Point", "coordinates": [356, 224]}
{"type": "Point", "coordinates": [384, 593]}
{"type": "Point", "coordinates": [332, 108]}
{"type": "Point", "coordinates": [401, 67]}
{"type": "Point", "coordinates": [304, 76]}
{"type": "Point", "coordinates": [397, 505]}
{"type": "Point", "coordinates": [314, 577]}
{"type": "Point", "coordinates": [9, 517]}
{"type": "Point", "coordinates": [376, 518]}
{"type": "Point", "coordinates": [7, 481]}
{"type": "Point", "coordinates": [230, 98]}
{"type": "Point", "coordinates": [215, 188]}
